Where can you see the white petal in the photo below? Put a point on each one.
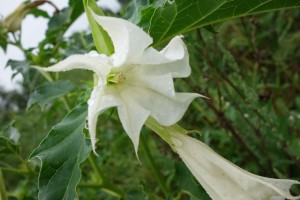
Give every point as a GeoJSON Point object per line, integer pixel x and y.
{"type": "Point", "coordinates": [99, 102]}
{"type": "Point", "coordinates": [98, 63]}
{"type": "Point", "coordinates": [129, 40]}
{"type": "Point", "coordinates": [132, 117]}
{"type": "Point", "coordinates": [162, 84]}
{"type": "Point", "coordinates": [172, 59]}
{"type": "Point", "coordinates": [165, 109]}
{"type": "Point", "coordinates": [224, 180]}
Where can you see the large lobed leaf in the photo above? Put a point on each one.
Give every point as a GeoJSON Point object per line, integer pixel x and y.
{"type": "Point", "coordinates": [61, 153]}
{"type": "Point", "coordinates": [165, 19]}
{"type": "Point", "coordinates": [49, 91]}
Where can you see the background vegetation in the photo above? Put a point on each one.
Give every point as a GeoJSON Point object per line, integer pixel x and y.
{"type": "Point", "coordinates": [250, 71]}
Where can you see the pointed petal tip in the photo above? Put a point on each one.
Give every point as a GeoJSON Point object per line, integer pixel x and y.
{"type": "Point", "coordinates": [137, 154]}
{"type": "Point", "coordinates": [94, 151]}
{"type": "Point", "coordinates": [202, 96]}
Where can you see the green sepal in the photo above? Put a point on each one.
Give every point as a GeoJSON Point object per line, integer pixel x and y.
{"type": "Point", "coordinates": [102, 40]}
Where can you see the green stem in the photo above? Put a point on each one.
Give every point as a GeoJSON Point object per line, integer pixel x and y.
{"type": "Point", "coordinates": [164, 133]}
{"type": "Point", "coordinates": [16, 171]}
{"type": "Point", "coordinates": [104, 184]}
{"type": "Point", "coordinates": [2, 187]}
{"type": "Point", "coordinates": [108, 188]}
{"type": "Point", "coordinates": [96, 169]}
{"type": "Point", "coordinates": [112, 189]}
{"type": "Point", "coordinates": [157, 174]}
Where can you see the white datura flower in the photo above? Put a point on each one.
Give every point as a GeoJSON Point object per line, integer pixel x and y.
{"type": "Point", "coordinates": [223, 180]}
{"type": "Point", "coordinates": [137, 78]}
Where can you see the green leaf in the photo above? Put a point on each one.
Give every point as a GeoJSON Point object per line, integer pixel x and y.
{"type": "Point", "coordinates": [49, 91]}
{"type": "Point", "coordinates": [61, 153]}
{"type": "Point", "coordinates": [170, 18]}
{"type": "Point", "coordinates": [294, 148]}
{"type": "Point", "coordinates": [102, 40]}
{"type": "Point", "coordinates": [61, 21]}
{"type": "Point", "coordinates": [187, 182]}
{"type": "Point", "coordinates": [9, 140]}
{"type": "Point", "coordinates": [137, 194]}
{"type": "Point", "coordinates": [58, 23]}
{"type": "Point", "coordinates": [77, 9]}
{"type": "Point", "coordinates": [133, 9]}
{"type": "Point", "coordinates": [21, 66]}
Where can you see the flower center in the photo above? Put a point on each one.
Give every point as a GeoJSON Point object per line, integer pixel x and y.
{"type": "Point", "coordinates": [116, 77]}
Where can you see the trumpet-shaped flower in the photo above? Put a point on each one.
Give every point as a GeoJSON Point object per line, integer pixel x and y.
{"type": "Point", "coordinates": [137, 78]}
{"type": "Point", "coordinates": [223, 180]}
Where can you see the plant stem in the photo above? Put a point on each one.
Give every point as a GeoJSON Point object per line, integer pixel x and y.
{"type": "Point", "coordinates": [16, 171]}
{"type": "Point", "coordinates": [157, 174]}
{"type": "Point", "coordinates": [103, 183]}
{"type": "Point", "coordinates": [96, 168]}
{"type": "Point", "coordinates": [108, 188]}
{"type": "Point", "coordinates": [2, 187]}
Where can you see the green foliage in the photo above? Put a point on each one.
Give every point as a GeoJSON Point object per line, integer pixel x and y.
{"type": "Point", "coordinates": [61, 153]}
{"type": "Point", "coordinates": [187, 183]}
{"type": "Point", "coordinates": [9, 140]}
{"type": "Point", "coordinates": [49, 91]}
{"type": "Point", "coordinates": [137, 194]}
{"type": "Point", "coordinates": [249, 70]}
{"type": "Point", "coordinates": [21, 67]}
{"type": "Point", "coordinates": [165, 19]}
{"type": "Point", "coordinates": [294, 148]}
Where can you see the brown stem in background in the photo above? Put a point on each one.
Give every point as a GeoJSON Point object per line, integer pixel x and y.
{"type": "Point", "coordinates": [243, 97]}
{"type": "Point", "coordinates": [220, 115]}
{"type": "Point", "coordinates": [37, 3]}
{"type": "Point", "coordinates": [227, 125]}
{"type": "Point", "coordinates": [251, 39]}
{"type": "Point", "coordinates": [257, 132]}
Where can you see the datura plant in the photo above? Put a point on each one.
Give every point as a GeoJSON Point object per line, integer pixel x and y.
{"type": "Point", "coordinates": [138, 80]}
{"type": "Point", "coordinates": [149, 65]}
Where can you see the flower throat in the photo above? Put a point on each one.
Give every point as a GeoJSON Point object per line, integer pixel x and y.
{"type": "Point", "coordinates": [116, 77]}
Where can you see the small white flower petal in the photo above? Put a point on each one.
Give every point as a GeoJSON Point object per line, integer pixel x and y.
{"type": "Point", "coordinates": [223, 180]}
{"type": "Point", "coordinates": [165, 109]}
{"type": "Point", "coordinates": [172, 59]}
{"type": "Point", "coordinates": [132, 117]}
{"type": "Point", "coordinates": [99, 102]}
{"type": "Point", "coordinates": [129, 40]}
{"type": "Point", "coordinates": [98, 63]}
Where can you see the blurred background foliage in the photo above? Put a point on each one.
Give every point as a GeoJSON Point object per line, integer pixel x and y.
{"type": "Point", "coordinates": [249, 70]}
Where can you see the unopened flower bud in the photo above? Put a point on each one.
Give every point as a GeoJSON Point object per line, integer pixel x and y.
{"type": "Point", "coordinates": [13, 21]}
